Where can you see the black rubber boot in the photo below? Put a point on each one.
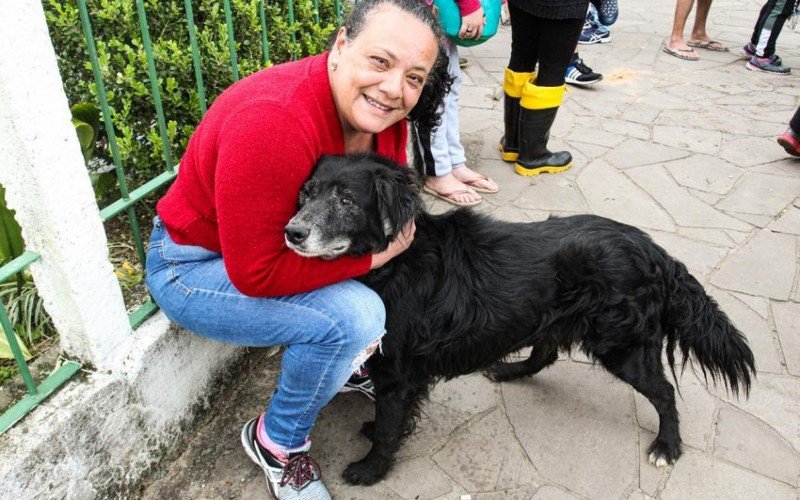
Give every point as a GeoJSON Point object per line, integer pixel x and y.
{"type": "Point", "coordinates": [512, 91]}
{"type": "Point", "coordinates": [538, 110]}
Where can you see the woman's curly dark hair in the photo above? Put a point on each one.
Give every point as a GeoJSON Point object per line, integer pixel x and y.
{"type": "Point", "coordinates": [427, 114]}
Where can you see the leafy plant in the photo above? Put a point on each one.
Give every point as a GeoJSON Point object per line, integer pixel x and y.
{"type": "Point", "coordinates": [26, 313]}
{"type": "Point", "coordinates": [86, 119]}
{"type": "Point", "coordinates": [122, 60]}
{"type": "Point", "coordinates": [11, 243]}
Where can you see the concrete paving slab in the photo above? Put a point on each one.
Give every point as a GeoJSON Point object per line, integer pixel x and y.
{"type": "Point", "coordinates": [587, 151]}
{"type": "Point", "coordinates": [756, 220]}
{"type": "Point", "coordinates": [716, 237]}
{"type": "Point", "coordinates": [750, 443]}
{"type": "Point", "coordinates": [699, 476]}
{"type": "Point", "coordinates": [697, 141]}
{"type": "Point", "coordinates": [749, 151]}
{"type": "Point", "coordinates": [761, 194]}
{"type": "Point", "coordinates": [470, 394]}
{"type": "Point", "coordinates": [766, 265]}
{"type": "Point", "coordinates": [704, 173]}
{"type": "Point", "coordinates": [556, 416]}
{"type": "Point", "coordinates": [555, 193]}
{"type": "Point", "coordinates": [612, 194]}
{"type": "Point", "coordinates": [775, 400]}
{"type": "Point", "coordinates": [788, 222]}
{"type": "Point", "coordinates": [486, 457]}
{"type": "Point", "coordinates": [759, 305]}
{"type": "Point", "coordinates": [627, 129]}
{"type": "Point", "coordinates": [635, 153]}
{"type": "Point", "coordinates": [787, 324]}
{"type": "Point", "coordinates": [553, 493]}
{"type": "Point", "coordinates": [683, 208]}
{"type": "Point", "coordinates": [433, 430]}
{"type": "Point", "coordinates": [430, 482]}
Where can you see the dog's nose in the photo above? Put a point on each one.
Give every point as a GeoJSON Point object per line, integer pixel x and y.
{"type": "Point", "coordinates": [295, 233]}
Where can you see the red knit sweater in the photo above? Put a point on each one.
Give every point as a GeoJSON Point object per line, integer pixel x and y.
{"type": "Point", "coordinates": [243, 168]}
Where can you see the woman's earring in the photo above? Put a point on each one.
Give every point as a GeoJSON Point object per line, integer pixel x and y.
{"type": "Point", "coordinates": [334, 66]}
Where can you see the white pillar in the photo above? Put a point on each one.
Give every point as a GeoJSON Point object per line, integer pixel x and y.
{"type": "Point", "coordinates": [46, 182]}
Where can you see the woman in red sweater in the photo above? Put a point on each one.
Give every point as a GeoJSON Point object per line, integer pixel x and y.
{"type": "Point", "coordinates": [217, 262]}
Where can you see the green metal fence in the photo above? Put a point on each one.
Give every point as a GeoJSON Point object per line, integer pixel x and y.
{"type": "Point", "coordinates": [36, 393]}
{"type": "Point", "coordinates": [130, 198]}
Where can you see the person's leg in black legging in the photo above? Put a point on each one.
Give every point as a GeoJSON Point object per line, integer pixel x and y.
{"type": "Point", "coordinates": [524, 55]}
{"type": "Point", "coordinates": [557, 39]}
{"type": "Point", "coordinates": [541, 98]}
{"type": "Point", "coordinates": [524, 40]}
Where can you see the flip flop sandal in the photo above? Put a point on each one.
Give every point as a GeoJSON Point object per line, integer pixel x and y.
{"type": "Point", "coordinates": [712, 45]}
{"type": "Point", "coordinates": [677, 53]}
{"type": "Point", "coordinates": [473, 184]}
{"type": "Point", "coordinates": [447, 197]}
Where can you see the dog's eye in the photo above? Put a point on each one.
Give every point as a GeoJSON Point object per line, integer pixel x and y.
{"type": "Point", "coordinates": [346, 201]}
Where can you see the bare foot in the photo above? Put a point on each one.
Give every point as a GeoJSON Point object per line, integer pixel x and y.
{"type": "Point", "coordinates": [475, 179]}
{"type": "Point", "coordinates": [446, 184]}
{"type": "Point", "coordinates": [678, 45]}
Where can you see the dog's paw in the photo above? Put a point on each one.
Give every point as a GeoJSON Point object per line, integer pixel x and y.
{"type": "Point", "coordinates": [365, 472]}
{"type": "Point", "coordinates": [662, 453]}
{"type": "Point", "coordinates": [368, 430]}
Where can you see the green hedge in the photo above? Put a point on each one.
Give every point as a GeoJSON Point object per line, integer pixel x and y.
{"type": "Point", "coordinates": [121, 53]}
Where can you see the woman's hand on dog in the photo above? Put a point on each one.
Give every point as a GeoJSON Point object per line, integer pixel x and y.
{"type": "Point", "coordinates": [396, 247]}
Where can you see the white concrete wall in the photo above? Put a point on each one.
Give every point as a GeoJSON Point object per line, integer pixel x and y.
{"type": "Point", "coordinates": [46, 183]}
{"type": "Point", "coordinates": [100, 434]}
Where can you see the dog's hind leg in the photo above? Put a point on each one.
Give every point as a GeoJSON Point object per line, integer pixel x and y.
{"type": "Point", "coordinates": [541, 357]}
{"type": "Point", "coordinates": [642, 369]}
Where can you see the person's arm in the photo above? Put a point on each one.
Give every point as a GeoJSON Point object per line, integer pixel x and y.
{"type": "Point", "coordinates": [472, 18]}
{"type": "Point", "coordinates": [264, 157]}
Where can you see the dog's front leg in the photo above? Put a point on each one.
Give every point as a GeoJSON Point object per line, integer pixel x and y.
{"type": "Point", "coordinates": [392, 411]}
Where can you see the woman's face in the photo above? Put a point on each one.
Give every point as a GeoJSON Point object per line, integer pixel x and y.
{"type": "Point", "coordinates": [379, 75]}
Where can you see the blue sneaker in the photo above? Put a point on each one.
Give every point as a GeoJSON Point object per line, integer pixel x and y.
{"type": "Point", "coordinates": [593, 35]}
{"type": "Point", "coordinates": [593, 29]}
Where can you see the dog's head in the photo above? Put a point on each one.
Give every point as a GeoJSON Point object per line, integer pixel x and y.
{"type": "Point", "coordinates": [352, 205]}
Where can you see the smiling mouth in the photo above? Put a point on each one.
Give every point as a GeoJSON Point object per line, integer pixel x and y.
{"type": "Point", "coordinates": [375, 104]}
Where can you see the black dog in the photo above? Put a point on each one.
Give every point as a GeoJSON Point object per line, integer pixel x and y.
{"type": "Point", "coordinates": [471, 290]}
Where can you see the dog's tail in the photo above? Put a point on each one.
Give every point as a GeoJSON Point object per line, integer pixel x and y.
{"type": "Point", "coordinates": [698, 326]}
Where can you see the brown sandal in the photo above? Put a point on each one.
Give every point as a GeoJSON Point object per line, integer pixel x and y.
{"type": "Point", "coordinates": [473, 184]}
{"type": "Point", "coordinates": [448, 197]}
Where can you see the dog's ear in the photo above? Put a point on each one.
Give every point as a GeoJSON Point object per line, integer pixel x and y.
{"type": "Point", "coordinates": [398, 198]}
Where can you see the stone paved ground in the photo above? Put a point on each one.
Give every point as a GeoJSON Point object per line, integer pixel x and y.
{"type": "Point", "coordinates": [683, 150]}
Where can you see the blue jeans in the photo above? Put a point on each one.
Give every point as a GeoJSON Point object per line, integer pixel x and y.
{"type": "Point", "coordinates": [324, 331]}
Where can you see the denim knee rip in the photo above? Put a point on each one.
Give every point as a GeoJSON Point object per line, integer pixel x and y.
{"type": "Point", "coordinates": [369, 351]}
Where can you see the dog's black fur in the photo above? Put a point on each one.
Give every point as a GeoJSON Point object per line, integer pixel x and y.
{"type": "Point", "coordinates": [471, 290]}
